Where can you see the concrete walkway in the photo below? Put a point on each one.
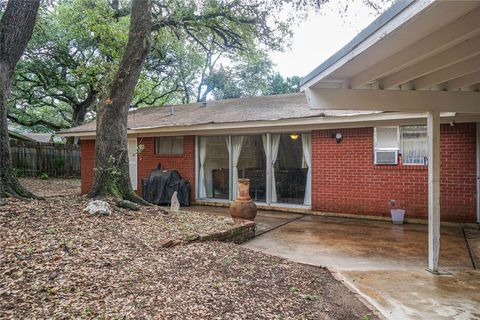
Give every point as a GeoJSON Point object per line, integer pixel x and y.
{"type": "Point", "coordinates": [386, 263]}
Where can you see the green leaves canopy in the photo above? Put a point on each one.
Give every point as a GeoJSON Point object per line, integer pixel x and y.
{"type": "Point", "coordinates": [200, 49]}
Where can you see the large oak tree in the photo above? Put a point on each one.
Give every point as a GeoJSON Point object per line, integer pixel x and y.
{"type": "Point", "coordinates": [16, 27]}
{"type": "Point", "coordinates": [226, 24]}
{"type": "Point", "coordinates": [111, 150]}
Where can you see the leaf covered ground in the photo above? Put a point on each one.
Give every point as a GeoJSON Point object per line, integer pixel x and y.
{"type": "Point", "coordinates": [57, 261]}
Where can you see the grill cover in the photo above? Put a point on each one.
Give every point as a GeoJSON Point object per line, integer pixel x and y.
{"type": "Point", "coordinates": [161, 184]}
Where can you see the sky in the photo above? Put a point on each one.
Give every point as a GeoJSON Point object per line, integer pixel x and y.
{"type": "Point", "coordinates": [320, 36]}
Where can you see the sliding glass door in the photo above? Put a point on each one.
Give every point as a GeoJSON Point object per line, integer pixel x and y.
{"type": "Point", "coordinates": [277, 164]}
{"type": "Point", "coordinates": [213, 167]}
{"type": "Point", "coordinates": [290, 168]}
{"type": "Point", "coordinates": [252, 164]}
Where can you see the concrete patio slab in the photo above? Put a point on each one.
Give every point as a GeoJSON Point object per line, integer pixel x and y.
{"type": "Point", "coordinates": [386, 263]}
{"type": "Point", "coordinates": [418, 294]}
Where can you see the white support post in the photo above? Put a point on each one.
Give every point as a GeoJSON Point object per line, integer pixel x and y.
{"type": "Point", "coordinates": [433, 129]}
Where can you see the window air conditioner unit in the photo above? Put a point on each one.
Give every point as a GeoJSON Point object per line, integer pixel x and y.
{"type": "Point", "coordinates": [386, 157]}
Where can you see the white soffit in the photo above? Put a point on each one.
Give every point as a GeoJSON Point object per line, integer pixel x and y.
{"type": "Point", "coordinates": [424, 45]}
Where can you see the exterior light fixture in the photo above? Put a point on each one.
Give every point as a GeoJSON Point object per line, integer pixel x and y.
{"type": "Point", "coordinates": [294, 136]}
{"type": "Point", "coordinates": [337, 136]}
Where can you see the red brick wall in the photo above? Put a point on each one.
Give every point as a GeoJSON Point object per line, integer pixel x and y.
{"type": "Point", "coordinates": [185, 164]}
{"type": "Point", "coordinates": [87, 149]}
{"type": "Point", "coordinates": [345, 180]}
{"type": "Point", "coordinates": [147, 161]}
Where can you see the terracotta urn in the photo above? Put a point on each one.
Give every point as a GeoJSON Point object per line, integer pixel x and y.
{"type": "Point", "coordinates": [243, 207]}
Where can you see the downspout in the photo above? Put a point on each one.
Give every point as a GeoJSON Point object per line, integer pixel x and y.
{"type": "Point", "coordinates": [478, 172]}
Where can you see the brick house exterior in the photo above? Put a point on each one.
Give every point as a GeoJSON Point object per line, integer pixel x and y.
{"type": "Point", "coordinates": [345, 180]}
{"type": "Point", "coordinates": [344, 177]}
{"type": "Point", "coordinates": [146, 162]}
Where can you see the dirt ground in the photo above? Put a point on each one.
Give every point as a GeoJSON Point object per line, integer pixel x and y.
{"type": "Point", "coordinates": [57, 261]}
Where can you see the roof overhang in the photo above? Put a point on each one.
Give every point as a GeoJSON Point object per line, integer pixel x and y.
{"type": "Point", "coordinates": [305, 124]}
{"type": "Point", "coordinates": [19, 136]}
{"type": "Point", "coordinates": [417, 56]}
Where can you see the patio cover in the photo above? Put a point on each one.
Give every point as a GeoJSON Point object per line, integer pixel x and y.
{"type": "Point", "coordinates": [419, 56]}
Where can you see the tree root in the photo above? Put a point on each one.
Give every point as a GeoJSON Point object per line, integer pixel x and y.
{"type": "Point", "coordinates": [11, 187]}
{"type": "Point", "coordinates": [127, 199]}
{"type": "Point", "coordinates": [127, 205]}
{"type": "Point", "coordinates": [136, 199]}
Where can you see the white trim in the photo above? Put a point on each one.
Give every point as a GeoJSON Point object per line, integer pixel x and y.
{"type": "Point", "coordinates": [448, 73]}
{"type": "Point", "coordinates": [286, 205]}
{"type": "Point", "coordinates": [385, 149]}
{"type": "Point", "coordinates": [268, 175]}
{"type": "Point", "coordinates": [402, 147]}
{"type": "Point", "coordinates": [213, 200]}
{"type": "Point", "coordinates": [404, 16]}
{"type": "Point", "coordinates": [394, 100]}
{"type": "Point", "coordinates": [133, 161]}
{"type": "Point", "coordinates": [285, 125]}
{"type": "Point", "coordinates": [261, 205]}
{"type": "Point", "coordinates": [447, 36]}
{"type": "Point", "coordinates": [449, 57]}
{"type": "Point", "coordinates": [230, 166]}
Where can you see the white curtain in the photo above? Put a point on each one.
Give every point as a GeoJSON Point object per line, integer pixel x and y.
{"type": "Point", "coordinates": [237, 142]}
{"type": "Point", "coordinates": [265, 141]}
{"type": "Point", "coordinates": [275, 144]}
{"type": "Point", "coordinates": [202, 192]}
{"type": "Point", "coordinates": [307, 145]}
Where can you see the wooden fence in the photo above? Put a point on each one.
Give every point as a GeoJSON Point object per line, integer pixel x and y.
{"type": "Point", "coordinates": [35, 159]}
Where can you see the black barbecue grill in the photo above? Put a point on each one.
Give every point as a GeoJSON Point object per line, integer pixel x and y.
{"type": "Point", "coordinates": [159, 187]}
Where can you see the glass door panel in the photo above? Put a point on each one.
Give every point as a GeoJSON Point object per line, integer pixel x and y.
{"type": "Point", "coordinates": [290, 169]}
{"type": "Point", "coordinates": [213, 167]}
{"type": "Point", "coordinates": [252, 165]}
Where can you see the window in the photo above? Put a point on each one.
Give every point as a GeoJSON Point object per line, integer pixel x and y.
{"type": "Point", "coordinates": [414, 144]}
{"type": "Point", "coordinates": [386, 145]}
{"type": "Point", "coordinates": [412, 139]}
{"type": "Point", "coordinates": [169, 145]}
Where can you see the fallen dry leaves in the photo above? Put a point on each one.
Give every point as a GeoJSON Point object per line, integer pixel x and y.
{"type": "Point", "coordinates": [57, 261]}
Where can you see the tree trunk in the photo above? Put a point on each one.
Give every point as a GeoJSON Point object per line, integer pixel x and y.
{"type": "Point", "coordinates": [16, 28]}
{"type": "Point", "coordinates": [111, 177]}
{"type": "Point", "coordinates": [80, 112]}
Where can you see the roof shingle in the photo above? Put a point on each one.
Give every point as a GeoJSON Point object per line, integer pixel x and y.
{"type": "Point", "coordinates": [262, 108]}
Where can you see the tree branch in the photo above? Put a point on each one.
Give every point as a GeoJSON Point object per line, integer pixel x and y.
{"type": "Point", "coordinates": [36, 122]}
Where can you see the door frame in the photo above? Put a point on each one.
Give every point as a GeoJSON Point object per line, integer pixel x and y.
{"type": "Point", "coordinates": [134, 173]}
{"type": "Point", "coordinates": [268, 175]}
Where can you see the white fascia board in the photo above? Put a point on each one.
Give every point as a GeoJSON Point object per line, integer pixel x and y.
{"type": "Point", "coordinates": [392, 25]}
{"type": "Point", "coordinates": [360, 121]}
{"type": "Point", "coordinates": [394, 100]}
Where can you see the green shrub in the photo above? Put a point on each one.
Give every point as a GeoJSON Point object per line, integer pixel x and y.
{"type": "Point", "coordinates": [44, 176]}
{"type": "Point", "coordinates": [59, 163]}
{"type": "Point", "coordinates": [19, 173]}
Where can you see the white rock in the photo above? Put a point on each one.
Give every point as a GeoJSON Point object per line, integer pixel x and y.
{"type": "Point", "coordinates": [229, 220]}
{"type": "Point", "coordinates": [98, 207]}
{"type": "Point", "coordinates": [174, 204]}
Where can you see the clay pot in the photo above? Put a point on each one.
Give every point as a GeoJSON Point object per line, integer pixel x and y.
{"type": "Point", "coordinates": [243, 207]}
